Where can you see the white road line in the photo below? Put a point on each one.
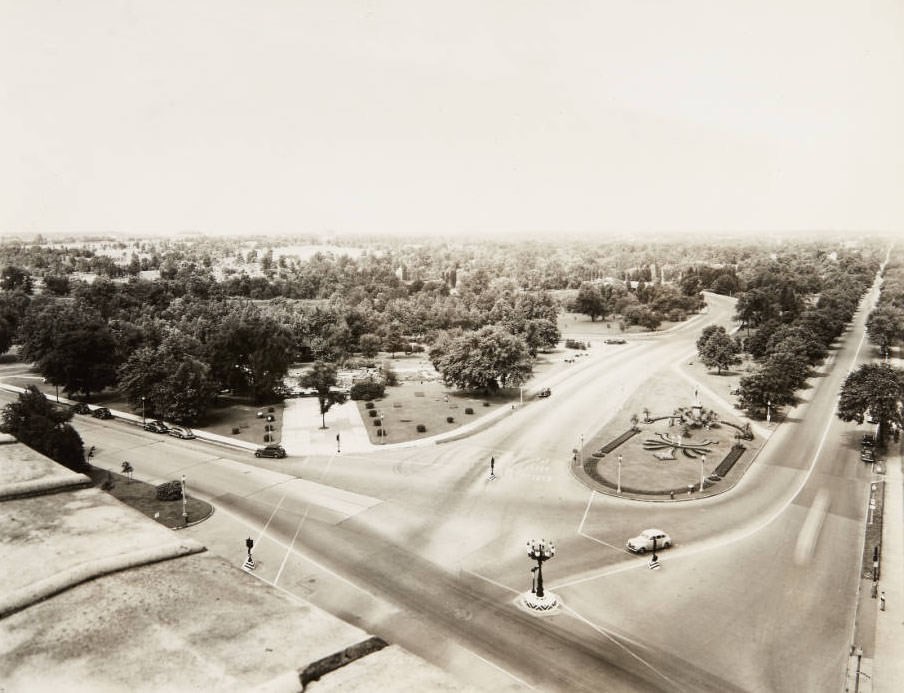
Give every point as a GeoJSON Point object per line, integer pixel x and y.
{"type": "Point", "coordinates": [490, 580]}
{"type": "Point", "coordinates": [586, 510]}
{"type": "Point", "coordinates": [307, 558]}
{"type": "Point", "coordinates": [499, 668]}
{"type": "Point", "coordinates": [269, 519]}
{"type": "Point", "coordinates": [291, 546]}
{"type": "Point", "coordinates": [615, 641]}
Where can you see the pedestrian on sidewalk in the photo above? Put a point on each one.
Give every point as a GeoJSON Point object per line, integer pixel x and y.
{"type": "Point", "coordinates": [882, 601]}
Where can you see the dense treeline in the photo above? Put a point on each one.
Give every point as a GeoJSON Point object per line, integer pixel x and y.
{"type": "Point", "coordinates": [792, 310]}
{"type": "Point", "coordinates": [220, 315]}
{"type": "Point", "coordinates": [877, 389]}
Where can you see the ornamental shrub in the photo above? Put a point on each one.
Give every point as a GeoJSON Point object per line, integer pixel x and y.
{"type": "Point", "coordinates": [367, 391]}
{"type": "Point", "coordinates": [169, 491]}
{"type": "Point", "coordinates": [421, 428]}
{"type": "Point", "coordinates": [469, 410]}
{"type": "Point", "coordinates": [369, 405]}
{"type": "Point", "coordinates": [371, 412]}
{"type": "Point", "coordinates": [450, 419]}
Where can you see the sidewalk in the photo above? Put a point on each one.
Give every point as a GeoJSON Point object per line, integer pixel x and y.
{"type": "Point", "coordinates": [888, 661]}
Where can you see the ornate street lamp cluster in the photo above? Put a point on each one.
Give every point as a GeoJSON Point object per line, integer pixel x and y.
{"type": "Point", "coordinates": [539, 600]}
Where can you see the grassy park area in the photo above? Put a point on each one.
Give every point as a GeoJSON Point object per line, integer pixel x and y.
{"type": "Point", "coordinates": [143, 498]}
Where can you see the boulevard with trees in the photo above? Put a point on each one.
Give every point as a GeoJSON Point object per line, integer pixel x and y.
{"type": "Point", "coordinates": [792, 311]}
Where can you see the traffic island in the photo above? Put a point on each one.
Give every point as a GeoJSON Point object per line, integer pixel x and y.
{"type": "Point", "coordinates": [548, 604]}
{"type": "Point", "coordinates": [688, 453]}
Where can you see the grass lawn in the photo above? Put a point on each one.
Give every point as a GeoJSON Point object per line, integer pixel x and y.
{"type": "Point", "coordinates": [640, 468]}
{"type": "Point", "coordinates": [422, 398]}
{"type": "Point", "coordinates": [143, 498]}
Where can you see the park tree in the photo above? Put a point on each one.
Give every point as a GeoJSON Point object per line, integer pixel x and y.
{"type": "Point", "coordinates": [717, 349]}
{"type": "Point", "coordinates": [486, 360]}
{"type": "Point", "coordinates": [766, 388]}
{"type": "Point", "coordinates": [590, 301]}
{"type": "Point", "coordinates": [44, 427]}
{"type": "Point", "coordinates": [876, 388]}
{"type": "Point", "coordinates": [796, 338]}
{"type": "Point", "coordinates": [369, 344]}
{"type": "Point", "coordinates": [169, 380]}
{"type": "Point", "coordinates": [14, 278]}
{"type": "Point", "coordinates": [81, 359]}
{"type": "Point", "coordinates": [323, 377]}
{"type": "Point", "coordinates": [885, 326]}
{"type": "Point", "coordinates": [58, 284]}
{"type": "Point", "coordinates": [7, 332]}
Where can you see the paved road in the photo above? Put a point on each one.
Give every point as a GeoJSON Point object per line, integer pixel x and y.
{"type": "Point", "coordinates": [417, 545]}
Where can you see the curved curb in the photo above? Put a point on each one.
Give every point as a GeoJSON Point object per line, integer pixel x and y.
{"type": "Point", "coordinates": [42, 589]}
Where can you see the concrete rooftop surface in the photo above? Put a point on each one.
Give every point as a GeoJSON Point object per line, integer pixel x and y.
{"type": "Point", "coordinates": [96, 597]}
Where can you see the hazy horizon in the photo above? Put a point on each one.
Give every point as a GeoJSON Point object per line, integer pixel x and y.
{"type": "Point", "coordinates": [495, 118]}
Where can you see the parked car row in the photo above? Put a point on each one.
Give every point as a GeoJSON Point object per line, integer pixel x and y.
{"type": "Point", "coordinates": [158, 426]}
{"type": "Point", "coordinates": [98, 413]}
{"type": "Point", "coordinates": [183, 432]}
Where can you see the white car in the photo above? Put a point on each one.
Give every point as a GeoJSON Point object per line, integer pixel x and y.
{"type": "Point", "coordinates": [643, 542]}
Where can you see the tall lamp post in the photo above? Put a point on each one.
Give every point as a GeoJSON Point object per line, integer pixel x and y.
{"type": "Point", "coordinates": [540, 551]}
{"type": "Point", "coordinates": [143, 417]}
{"type": "Point", "coordinates": [581, 448]}
{"type": "Point", "coordinates": [184, 501]}
{"type": "Point", "coordinates": [768, 411]}
{"type": "Point", "coordinates": [618, 490]}
{"type": "Point", "coordinates": [702, 463]}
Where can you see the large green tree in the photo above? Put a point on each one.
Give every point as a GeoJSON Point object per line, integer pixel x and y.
{"type": "Point", "coordinates": [874, 388]}
{"type": "Point", "coordinates": [592, 301]}
{"type": "Point", "coordinates": [717, 349]}
{"type": "Point", "coordinates": [44, 427]}
{"type": "Point", "coordinates": [170, 380]}
{"type": "Point", "coordinates": [486, 360]}
{"type": "Point", "coordinates": [885, 326]}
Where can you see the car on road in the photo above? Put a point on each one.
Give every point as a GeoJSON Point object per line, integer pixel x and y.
{"type": "Point", "coordinates": [643, 542]}
{"type": "Point", "coordinates": [867, 455]}
{"type": "Point", "coordinates": [156, 427]}
{"type": "Point", "coordinates": [102, 413]}
{"type": "Point", "coordinates": [872, 418]}
{"type": "Point", "coordinates": [277, 451]}
{"type": "Point", "coordinates": [616, 340]}
{"type": "Point", "coordinates": [868, 440]}
{"type": "Point", "coordinates": [545, 392]}
{"type": "Point", "coordinates": [181, 432]}
{"type": "Point", "coordinates": [81, 408]}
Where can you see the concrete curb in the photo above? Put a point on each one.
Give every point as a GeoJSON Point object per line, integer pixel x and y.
{"type": "Point", "coordinates": [42, 589]}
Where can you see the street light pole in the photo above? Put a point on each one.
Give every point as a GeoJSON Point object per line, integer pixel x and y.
{"type": "Point", "coordinates": [540, 551]}
{"type": "Point", "coordinates": [143, 417]}
{"type": "Point", "coordinates": [582, 448]}
{"type": "Point", "coordinates": [618, 490]}
{"type": "Point", "coordinates": [768, 411]}
{"type": "Point", "coordinates": [184, 501]}
{"type": "Point", "coordinates": [702, 462]}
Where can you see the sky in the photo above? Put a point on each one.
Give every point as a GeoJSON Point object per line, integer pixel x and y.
{"type": "Point", "coordinates": [420, 117]}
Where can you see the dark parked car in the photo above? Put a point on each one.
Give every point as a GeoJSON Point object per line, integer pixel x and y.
{"type": "Point", "coordinates": [271, 451]}
{"type": "Point", "coordinates": [545, 392]}
{"type": "Point", "coordinates": [156, 427]}
{"type": "Point", "coordinates": [867, 455]}
{"type": "Point", "coordinates": [81, 408]}
{"type": "Point", "coordinates": [868, 440]}
{"type": "Point", "coordinates": [102, 413]}
{"type": "Point", "coordinates": [616, 341]}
